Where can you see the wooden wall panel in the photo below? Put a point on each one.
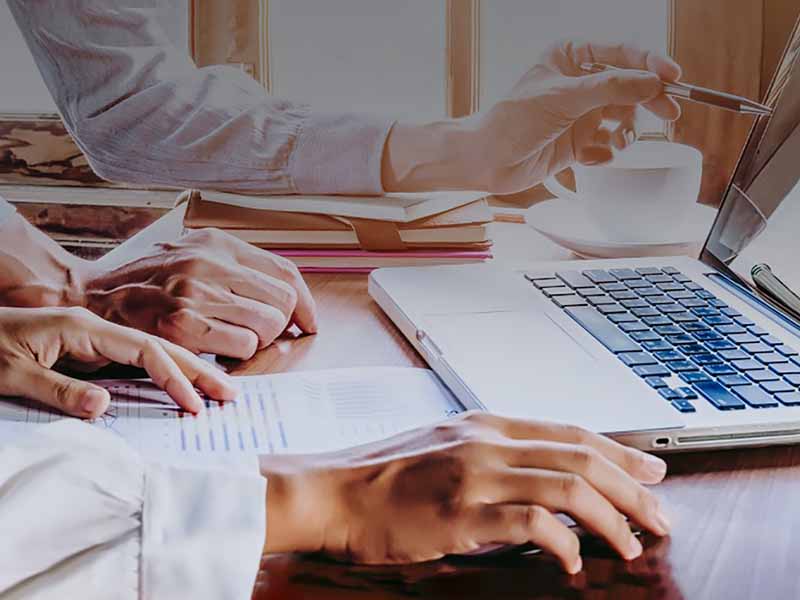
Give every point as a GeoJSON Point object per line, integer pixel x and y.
{"type": "Point", "coordinates": [719, 45]}
{"type": "Point", "coordinates": [779, 19]}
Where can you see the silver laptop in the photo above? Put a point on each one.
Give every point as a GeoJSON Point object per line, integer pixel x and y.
{"type": "Point", "coordinates": [660, 353]}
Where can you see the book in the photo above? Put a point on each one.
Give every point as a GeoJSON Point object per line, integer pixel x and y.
{"type": "Point", "coordinates": [463, 227]}
{"type": "Point", "coordinates": [359, 261]}
{"type": "Point", "coordinates": [398, 208]}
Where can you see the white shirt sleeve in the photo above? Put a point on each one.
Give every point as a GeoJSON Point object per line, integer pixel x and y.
{"type": "Point", "coordinates": [143, 113]}
{"type": "Point", "coordinates": [82, 515]}
{"type": "Point", "coordinates": [7, 210]}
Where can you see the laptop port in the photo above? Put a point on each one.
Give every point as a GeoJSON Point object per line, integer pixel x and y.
{"type": "Point", "coordinates": [661, 442]}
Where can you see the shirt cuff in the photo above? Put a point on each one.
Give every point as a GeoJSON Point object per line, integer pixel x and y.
{"type": "Point", "coordinates": [203, 532]}
{"type": "Point", "coordinates": [340, 153]}
{"type": "Point", "coordinates": [7, 210]}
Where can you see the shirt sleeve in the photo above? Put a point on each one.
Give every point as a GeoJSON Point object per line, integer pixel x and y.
{"type": "Point", "coordinates": [143, 113]}
{"type": "Point", "coordinates": [83, 516]}
{"type": "Point", "coordinates": [7, 210]}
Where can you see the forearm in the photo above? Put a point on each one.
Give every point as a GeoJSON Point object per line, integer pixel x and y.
{"type": "Point", "coordinates": [35, 271]}
{"type": "Point", "coordinates": [440, 155]}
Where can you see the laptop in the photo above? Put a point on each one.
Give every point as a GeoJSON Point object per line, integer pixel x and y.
{"type": "Point", "coordinates": [666, 354]}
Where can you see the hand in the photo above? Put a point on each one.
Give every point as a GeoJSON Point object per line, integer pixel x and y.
{"type": "Point", "coordinates": [451, 488]}
{"type": "Point", "coordinates": [208, 292]}
{"type": "Point", "coordinates": [553, 117]}
{"type": "Point", "coordinates": [32, 340]}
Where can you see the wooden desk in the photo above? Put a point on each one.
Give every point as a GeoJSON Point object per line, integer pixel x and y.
{"type": "Point", "coordinates": [736, 526]}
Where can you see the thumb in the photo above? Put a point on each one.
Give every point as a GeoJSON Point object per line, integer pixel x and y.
{"type": "Point", "coordinates": [77, 398]}
{"type": "Point", "coordinates": [623, 87]}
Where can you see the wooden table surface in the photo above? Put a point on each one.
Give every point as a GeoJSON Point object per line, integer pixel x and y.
{"type": "Point", "coordinates": [736, 530]}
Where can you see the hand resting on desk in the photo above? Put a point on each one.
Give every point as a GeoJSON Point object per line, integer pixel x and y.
{"type": "Point", "coordinates": [32, 340]}
{"type": "Point", "coordinates": [454, 487]}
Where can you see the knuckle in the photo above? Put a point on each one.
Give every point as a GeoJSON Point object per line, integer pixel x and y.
{"type": "Point", "coordinates": [533, 517]}
{"type": "Point", "coordinates": [585, 459]}
{"type": "Point", "coordinates": [209, 235]}
{"type": "Point", "coordinates": [286, 295]}
{"type": "Point", "coordinates": [575, 434]}
{"type": "Point", "coordinates": [191, 264]}
{"type": "Point", "coordinates": [78, 314]}
{"type": "Point", "coordinates": [572, 489]}
{"type": "Point", "coordinates": [646, 501]}
{"type": "Point", "coordinates": [181, 286]}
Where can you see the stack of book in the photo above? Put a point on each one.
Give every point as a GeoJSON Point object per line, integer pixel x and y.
{"type": "Point", "coordinates": [352, 234]}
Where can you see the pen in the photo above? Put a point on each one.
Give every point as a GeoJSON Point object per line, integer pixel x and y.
{"type": "Point", "coordinates": [698, 94]}
{"type": "Point", "coordinates": [773, 288]}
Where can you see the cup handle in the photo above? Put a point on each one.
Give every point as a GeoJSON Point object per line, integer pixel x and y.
{"type": "Point", "coordinates": [555, 187]}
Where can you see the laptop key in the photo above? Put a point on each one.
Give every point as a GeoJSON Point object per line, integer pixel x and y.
{"type": "Point", "coordinates": [687, 393]}
{"type": "Point", "coordinates": [718, 321]}
{"type": "Point", "coordinates": [645, 336]}
{"type": "Point", "coordinates": [637, 303]}
{"type": "Point", "coordinates": [622, 318]}
{"type": "Point", "coordinates": [656, 279]}
{"type": "Point", "coordinates": [655, 382]}
{"type": "Point", "coordinates": [668, 330]}
{"type": "Point", "coordinates": [743, 321]}
{"type": "Point", "coordinates": [656, 346]}
{"type": "Point", "coordinates": [730, 312]}
{"type": "Point", "coordinates": [669, 394]}
{"type": "Point", "coordinates": [690, 349]}
{"type": "Point", "coordinates": [681, 366]}
{"type": "Point", "coordinates": [734, 354]}
{"type": "Point", "coordinates": [683, 317]}
{"type": "Point", "coordinates": [557, 291]}
{"type": "Point", "coordinates": [574, 279]}
{"type": "Point", "coordinates": [747, 364]}
{"type": "Point", "coordinates": [599, 276]}
{"type": "Point", "coordinates": [706, 359]}
{"type": "Point", "coordinates": [624, 274]}
{"type": "Point", "coordinates": [718, 370]}
{"type": "Point", "coordinates": [608, 309]}
{"type": "Point", "coordinates": [534, 276]}
{"type": "Point", "coordinates": [680, 340]}
{"type": "Point", "coordinates": [648, 271]}
{"type": "Point", "coordinates": [625, 295]}
{"type": "Point", "coordinates": [680, 277]}
{"type": "Point", "coordinates": [721, 345]}
{"type": "Point", "coordinates": [568, 301]}
{"type": "Point", "coordinates": [633, 326]}
{"type": "Point", "coordinates": [649, 290]}
{"type": "Point", "coordinates": [789, 399]}
{"type": "Point", "coordinates": [705, 311]}
{"type": "Point", "coordinates": [719, 396]}
{"type": "Point", "coordinates": [592, 291]}
{"type": "Point", "coordinates": [639, 284]}
{"type": "Point", "coordinates": [598, 300]}
{"type": "Point", "coordinates": [758, 331]}
{"type": "Point", "coordinates": [668, 309]}
{"type": "Point", "coordinates": [717, 303]}
{"type": "Point", "coordinates": [707, 336]}
{"type": "Point", "coordinates": [670, 286]}
{"type": "Point", "coordinates": [691, 285]}
{"type": "Point", "coordinates": [762, 376]}
{"type": "Point", "coordinates": [771, 358]}
{"type": "Point", "coordinates": [734, 380]}
{"type": "Point", "coordinates": [785, 350]}
{"type": "Point", "coordinates": [755, 396]}
{"type": "Point", "coordinates": [756, 348]}
{"type": "Point", "coordinates": [692, 303]}
{"type": "Point", "coordinates": [651, 371]}
{"type": "Point", "coordinates": [777, 387]}
{"type": "Point", "coordinates": [694, 327]}
{"type": "Point", "coordinates": [635, 359]}
{"type": "Point", "coordinates": [668, 355]}
{"type": "Point", "coordinates": [681, 295]}
{"type": "Point", "coordinates": [670, 270]}
{"type": "Point", "coordinates": [684, 406]}
{"type": "Point", "coordinates": [613, 287]}
{"type": "Point", "coordinates": [731, 329]}
{"type": "Point", "coordinates": [646, 312]}
{"type": "Point", "coordinates": [659, 300]}
{"type": "Point", "coordinates": [785, 369]}
{"type": "Point", "coordinates": [602, 329]}
{"type": "Point", "coordinates": [771, 340]}
{"type": "Point", "coordinates": [656, 321]}
{"type": "Point", "coordinates": [695, 377]}
{"type": "Point", "coordinates": [793, 379]}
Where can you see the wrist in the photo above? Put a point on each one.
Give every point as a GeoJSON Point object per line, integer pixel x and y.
{"type": "Point", "coordinates": [297, 508]}
{"type": "Point", "coordinates": [440, 155]}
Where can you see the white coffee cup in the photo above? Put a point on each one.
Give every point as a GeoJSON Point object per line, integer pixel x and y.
{"type": "Point", "coordinates": [644, 195]}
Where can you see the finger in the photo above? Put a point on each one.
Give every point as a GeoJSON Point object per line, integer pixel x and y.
{"type": "Point", "coordinates": [212, 382]}
{"type": "Point", "coordinates": [305, 311]}
{"type": "Point", "coordinates": [266, 321]}
{"type": "Point", "coordinates": [266, 290]}
{"type": "Point", "coordinates": [520, 524]}
{"type": "Point", "coordinates": [664, 107]}
{"type": "Point", "coordinates": [571, 494]}
{"type": "Point", "coordinates": [640, 465]}
{"type": "Point", "coordinates": [580, 95]}
{"type": "Point", "coordinates": [624, 134]}
{"type": "Point", "coordinates": [71, 396]}
{"type": "Point", "coordinates": [592, 156]}
{"type": "Point", "coordinates": [200, 334]}
{"type": "Point", "coordinates": [130, 347]}
{"type": "Point", "coordinates": [609, 479]}
{"type": "Point", "coordinates": [626, 56]}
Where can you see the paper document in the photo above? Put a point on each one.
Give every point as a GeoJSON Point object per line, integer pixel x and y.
{"type": "Point", "coordinates": [301, 412]}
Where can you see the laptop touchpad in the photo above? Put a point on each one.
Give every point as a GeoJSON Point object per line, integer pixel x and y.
{"type": "Point", "coordinates": [523, 363]}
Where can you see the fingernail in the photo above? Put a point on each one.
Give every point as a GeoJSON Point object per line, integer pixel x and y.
{"type": "Point", "coordinates": [630, 136]}
{"type": "Point", "coordinates": [634, 548]}
{"type": "Point", "coordinates": [93, 400]}
{"type": "Point", "coordinates": [655, 466]}
{"type": "Point", "coordinates": [664, 521]}
{"type": "Point", "coordinates": [576, 566]}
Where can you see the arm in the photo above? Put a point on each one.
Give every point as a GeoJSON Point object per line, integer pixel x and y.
{"type": "Point", "coordinates": [80, 511]}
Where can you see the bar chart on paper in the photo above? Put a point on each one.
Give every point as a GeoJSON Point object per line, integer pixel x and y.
{"type": "Point", "coordinates": [302, 412]}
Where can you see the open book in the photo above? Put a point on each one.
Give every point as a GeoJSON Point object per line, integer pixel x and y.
{"type": "Point", "coordinates": [300, 412]}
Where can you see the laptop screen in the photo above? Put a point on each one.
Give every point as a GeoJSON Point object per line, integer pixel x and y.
{"type": "Point", "coordinates": [759, 219]}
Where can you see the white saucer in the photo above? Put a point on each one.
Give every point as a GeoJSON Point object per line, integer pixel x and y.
{"type": "Point", "coordinates": [568, 226]}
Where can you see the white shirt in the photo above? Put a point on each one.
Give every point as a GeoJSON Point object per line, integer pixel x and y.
{"type": "Point", "coordinates": [143, 113]}
{"type": "Point", "coordinates": [83, 516]}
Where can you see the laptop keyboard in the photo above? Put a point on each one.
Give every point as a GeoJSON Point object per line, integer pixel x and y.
{"type": "Point", "coordinates": [682, 340]}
